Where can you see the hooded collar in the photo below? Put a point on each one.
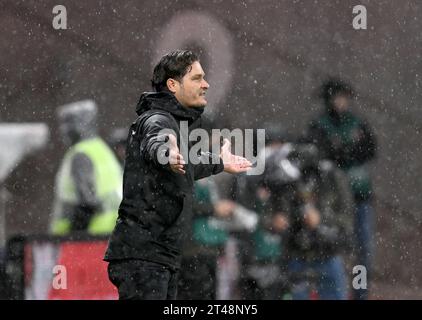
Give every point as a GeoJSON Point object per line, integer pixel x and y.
{"type": "Point", "coordinates": [167, 101]}
{"type": "Point", "coordinates": [336, 117]}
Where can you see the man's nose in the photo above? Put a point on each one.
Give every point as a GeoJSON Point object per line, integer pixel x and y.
{"type": "Point", "coordinates": [205, 84]}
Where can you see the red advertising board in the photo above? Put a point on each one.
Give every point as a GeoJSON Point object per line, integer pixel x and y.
{"type": "Point", "coordinates": [68, 270]}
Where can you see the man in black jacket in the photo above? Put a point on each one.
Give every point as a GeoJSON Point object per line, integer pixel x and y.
{"type": "Point", "coordinates": [144, 250]}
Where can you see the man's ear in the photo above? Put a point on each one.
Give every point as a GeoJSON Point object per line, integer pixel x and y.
{"type": "Point", "coordinates": [172, 85]}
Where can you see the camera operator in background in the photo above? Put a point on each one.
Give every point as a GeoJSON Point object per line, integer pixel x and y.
{"type": "Point", "coordinates": [262, 256]}
{"type": "Point", "coordinates": [312, 197]}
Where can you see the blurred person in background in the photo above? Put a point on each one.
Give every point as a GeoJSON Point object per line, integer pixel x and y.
{"type": "Point", "coordinates": [206, 261]}
{"type": "Point", "coordinates": [349, 142]}
{"type": "Point", "coordinates": [262, 255]}
{"type": "Point", "coordinates": [88, 184]}
{"type": "Point", "coordinates": [311, 196]}
{"type": "Point", "coordinates": [199, 266]}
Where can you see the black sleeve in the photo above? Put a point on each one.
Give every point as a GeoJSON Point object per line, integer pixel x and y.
{"type": "Point", "coordinates": [154, 139]}
{"type": "Point", "coordinates": [212, 164]}
{"type": "Point", "coordinates": [365, 149]}
{"type": "Point", "coordinates": [82, 173]}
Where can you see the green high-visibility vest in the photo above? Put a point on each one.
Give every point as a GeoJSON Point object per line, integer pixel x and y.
{"type": "Point", "coordinates": [108, 186]}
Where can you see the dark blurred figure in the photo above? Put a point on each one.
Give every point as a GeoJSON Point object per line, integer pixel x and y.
{"type": "Point", "coordinates": [117, 141]}
{"type": "Point", "coordinates": [198, 273]}
{"type": "Point", "coordinates": [311, 198]}
{"type": "Point", "coordinates": [89, 181]}
{"type": "Point", "coordinates": [215, 220]}
{"type": "Point", "coordinates": [262, 254]}
{"type": "Point", "coordinates": [348, 141]}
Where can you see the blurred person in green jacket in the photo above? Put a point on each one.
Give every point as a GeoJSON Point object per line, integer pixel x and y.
{"type": "Point", "coordinates": [348, 141]}
{"type": "Point", "coordinates": [198, 277]}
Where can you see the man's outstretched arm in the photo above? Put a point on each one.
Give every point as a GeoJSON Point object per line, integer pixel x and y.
{"type": "Point", "coordinates": [226, 161]}
{"type": "Point", "coordinates": [209, 164]}
{"type": "Point", "coordinates": [159, 144]}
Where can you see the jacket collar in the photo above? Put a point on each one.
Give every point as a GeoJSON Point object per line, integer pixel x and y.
{"type": "Point", "coordinates": [167, 101]}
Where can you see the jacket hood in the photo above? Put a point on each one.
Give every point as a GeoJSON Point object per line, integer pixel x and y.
{"type": "Point", "coordinates": [336, 117]}
{"type": "Point", "coordinates": [167, 102]}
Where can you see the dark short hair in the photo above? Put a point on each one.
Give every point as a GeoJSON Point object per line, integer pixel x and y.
{"type": "Point", "coordinates": [173, 65]}
{"type": "Point", "coordinates": [333, 87]}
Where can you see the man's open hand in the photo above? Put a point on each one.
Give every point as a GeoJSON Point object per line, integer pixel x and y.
{"type": "Point", "coordinates": [175, 158]}
{"type": "Point", "coordinates": [233, 163]}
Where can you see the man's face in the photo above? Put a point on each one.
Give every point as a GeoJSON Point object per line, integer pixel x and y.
{"type": "Point", "coordinates": [190, 90]}
{"type": "Point", "coordinates": [341, 103]}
